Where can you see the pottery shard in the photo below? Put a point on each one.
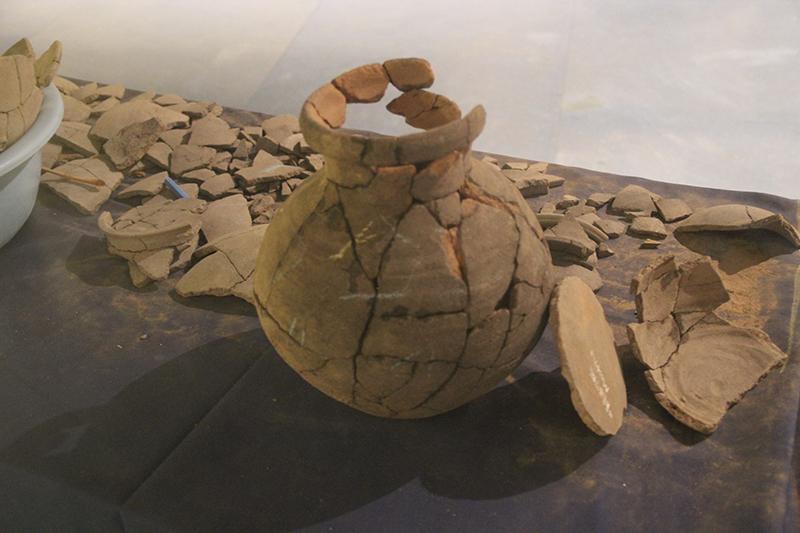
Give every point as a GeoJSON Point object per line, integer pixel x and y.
{"type": "Point", "coordinates": [589, 359]}
{"type": "Point", "coordinates": [75, 136]}
{"type": "Point", "coordinates": [189, 157]}
{"type": "Point", "coordinates": [373, 212]}
{"type": "Point", "coordinates": [175, 137]}
{"type": "Point", "coordinates": [330, 104]}
{"type": "Point", "coordinates": [75, 110]}
{"type": "Point", "coordinates": [440, 178]}
{"type": "Point", "coordinates": [655, 289]}
{"type": "Point", "coordinates": [599, 199]}
{"type": "Point", "coordinates": [715, 365]}
{"type": "Point", "coordinates": [736, 217]}
{"type": "Point", "coordinates": [612, 228]}
{"type": "Point", "coordinates": [421, 255]}
{"type": "Point", "coordinates": [113, 91]}
{"type": "Point", "coordinates": [424, 109]}
{"type": "Point", "coordinates": [485, 340]}
{"type": "Point", "coordinates": [649, 227]}
{"type": "Point", "coordinates": [198, 176]}
{"type": "Point", "coordinates": [590, 276]}
{"type": "Point", "coordinates": [128, 145]}
{"type": "Point", "coordinates": [280, 126]}
{"type": "Point", "coordinates": [47, 64]}
{"type": "Point", "coordinates": [633, 198]}
{"type": "Point", "coordinates": [314, 273]}
{"type": "Point", "coordinates": [149, 186]}
{"type": "Point", "coordinates": [213, 131]}
{"type": "Point", "coordinates": [98, 108]}
{"type": "Point", "coordinates": [436, 337]}
{"type": "Point", "coordinates": [84, 197]}
{"type": "Point", "coordinates": [409, 73]}
{"type": "Point", "coordinates": [700, 287]}
{"type": "Point", "coordinates": [447, 209]}
{"type": "Point", "coordinates": [86, 93]}
{"type": "Point", "coordinates": [227, 215]}
{"type": "Point", "coordinates": [566, 201]}
{"type": "Point", "coordinates": [487, 246]}
{"type": "Point", "coordinates": [569, 237]}
{"type": "Point", "coordinates": [672, 209]}
{"type": "Point", "coordinates": [267, 168]}
{"type": "Point", "coordinates": [218, 186]}
{"type": "Point", "coordinates": [529, 183]}
{"type": "Point", "coordinates": [228, 269]}
{"type": "Point", "coordinates": [50, 154]}
{"type": "Point", "coordinates": [363, 84]}
{"type": "Point", "coordinates": [132, 112]}
{"type": "Point", "coordinates": [653, 343]}
{"type": "Point", "coordinates": [158, 154]}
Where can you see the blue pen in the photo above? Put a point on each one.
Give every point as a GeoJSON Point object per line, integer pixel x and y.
{"type": "Point", "coordinates": [175, 188]}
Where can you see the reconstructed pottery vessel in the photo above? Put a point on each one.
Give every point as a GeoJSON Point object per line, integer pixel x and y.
{"type": "Point", "coordinates": [22, 77]}
{"type": "Point", "coordinates": [406, 277]}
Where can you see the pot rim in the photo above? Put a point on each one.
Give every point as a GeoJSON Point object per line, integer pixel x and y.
{"type": "Point", "coordinates": [374, 149]}
{"type": "Point", "coordinates": [43, 128]}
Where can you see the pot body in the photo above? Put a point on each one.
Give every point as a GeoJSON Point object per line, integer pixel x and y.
{"type": "Point", "coordinates": [20, 166]}
{"type": "Point", "coordinates": [410, 294]}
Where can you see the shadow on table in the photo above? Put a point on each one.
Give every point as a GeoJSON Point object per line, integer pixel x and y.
{"type": "Point", "coordinates": [275, 453]}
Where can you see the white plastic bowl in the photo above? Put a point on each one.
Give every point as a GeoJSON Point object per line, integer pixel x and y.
{"type": "Point", "coordinates": [21, 166]}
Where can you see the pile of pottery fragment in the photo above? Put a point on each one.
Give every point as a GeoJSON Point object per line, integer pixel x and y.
{"type": "Point", "coordinates": [201, 193]}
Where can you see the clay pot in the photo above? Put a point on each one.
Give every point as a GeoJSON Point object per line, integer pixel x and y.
{"type": "Point", "coordinates": [406, 277]}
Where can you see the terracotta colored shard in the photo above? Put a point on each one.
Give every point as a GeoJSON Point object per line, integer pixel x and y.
{"type": "Point", "coordinates": [715, 365]}
{"type": "Point", "coordinates": [280, 126]}
{"type": "Point", "coordinates": [199, 176]}
{"type": "Point", "coordinates": [158, 154]}
{"type": "Point", "coordinates": [149, 186]}
{"type": "Point", "coordinates": [424, 109]}
{"type": "Point", "coordinates": [75, 136]}
{"type": "Point", "coordinates": [409, 73]}
{"type": "Point", "coordinates": [133, 112]}
{"type": "Point", "coordinates": [672, 209]}
{"type": "Point", "coordinates": [64, 85]}
{"type": "Point", "coordinates": [648, 227]}
{"type": "Point", "coordinates": [590, 276]}
{"type": "Point", "coordinates": [568, 236]}
{"type": "Point", "coordinates": [47, 64]}
{"type": "Point", "coordinates": [213, 131]}
{"type": "Point", "coordinates": [698, 365]}
{"type": "Point", "coordinates": [566, 201]}
{"type": "Point", "coordinates": [737, 217]}
{"type": "Point", "coordinates": [22, 47]}
{"type": "Point", "coordinates": [218, 186]}
{"type": "Point", "coordinates": [175, 137]}
{"type": "Point", "coordinates": [128, 145]}
{"type": "Point", "coordinates": [111, 91]}
{"type": "Point", "coordinates": [155, 238]}
{"type": "Point", "coordinates": [75, 110]}
{"type": "Point", "coordinates": [589, 359]}
{"type": "Point", "coordinates": [227, 215]}
{"type": "Point", "coordinates": [100, 107]}
{"type": "Point", "coordinates": [633, 198]}
{"type": "Point", "coordinates": [169, 99]}
{"type": "Point", "coordinates": [50, 154]}
{"type": "Point", "coordinates": [599, 199]}
{"type": "Point", "coordinates": [650, 244]}
{"type": "Point", "coordinates": [612, 228]}
{"type": "Point", "coordinates": [363, 84]}
{"type": "Point", "coordinates": [530, 184]}
{"type": "Point", "coordinates": [189, 157]}
{"type": "Point", "coordinates": [330, 105]}
{"type": "Point", "coordinates": [86, 93]}
{"type": "Point", "coordinates": [226, 268]}
{"type": "Point", "coordinates": [20, 97]}
{"type": "Point", "coordinates": [399, 234]}
{"type": "Point", "coordinates": [86, 198]}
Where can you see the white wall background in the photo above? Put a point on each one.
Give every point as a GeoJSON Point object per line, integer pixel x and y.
{"type": "Point", "coordinates": [705, 92]}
